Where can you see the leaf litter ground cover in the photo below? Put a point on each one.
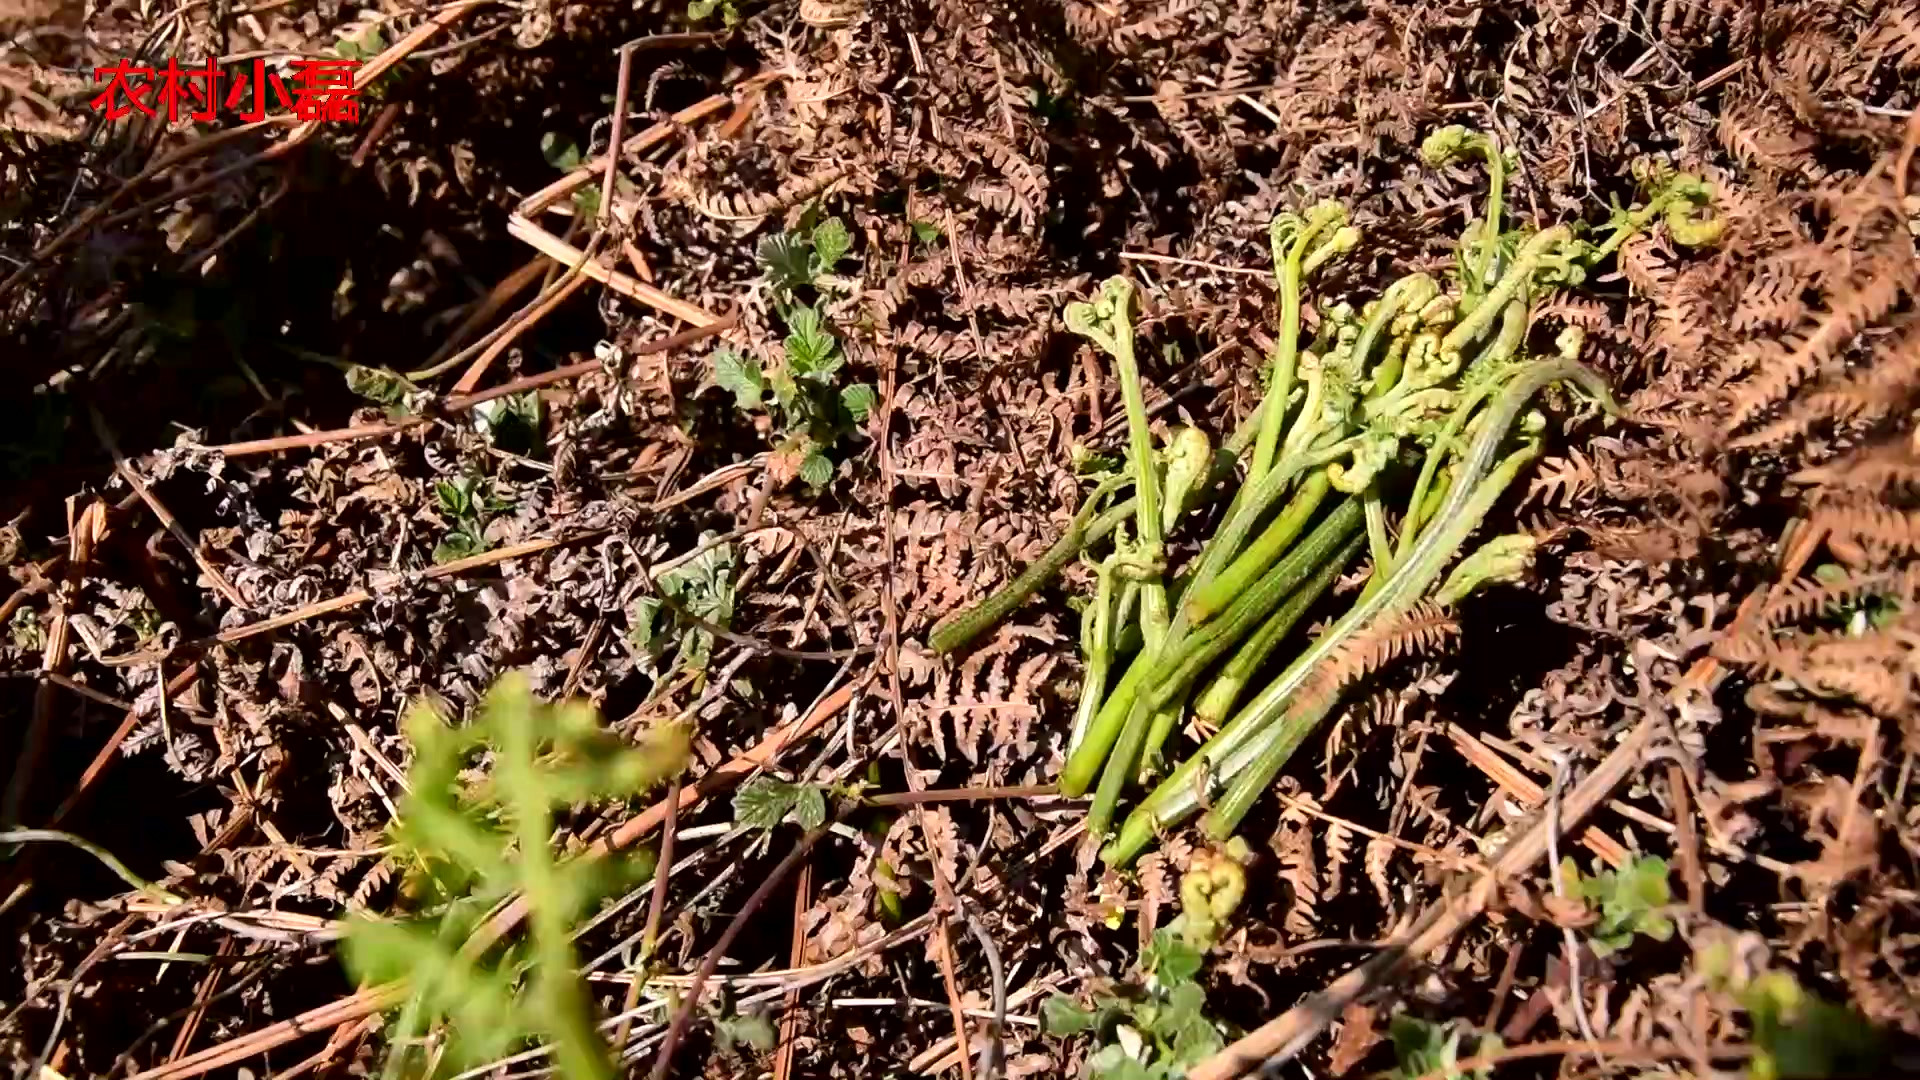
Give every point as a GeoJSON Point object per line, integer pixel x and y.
{"type": "Point", "coordinates": [936, 413]}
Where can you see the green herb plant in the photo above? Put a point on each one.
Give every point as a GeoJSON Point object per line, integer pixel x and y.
{"type": "Point", "coordinates": [468, 841]}
{"type": "Point", "coordinates": [466, 504]}
{"type": "Point", "coordinates": [1628, 902]}
{"type": "Point", "coordinates": [1390, 432]}
{"type": "Point", "coordinates": [765, 802]}
{"type": "Point", "coordinates": [1797, 1034]}
{"type": "Point", "coordinates": [701, 10]}
{"type": "Point", "coordinates": [703, 587]}
{"type": "Point", "coordinates": [1424, 1048]}
{"type": "Point", "coordinates": [804, 395]}
{"type": "Point", "coordinates": [1154, 1031]}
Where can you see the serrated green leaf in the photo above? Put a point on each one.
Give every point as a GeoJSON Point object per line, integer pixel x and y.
{"type": "Point", "coordinates": [786, 260]}
{"type": "Point", "coordinates": [1170, 959]}
{"type": "Point", "coordinates": [377, 384]}
{"type": "Point", "coordinates": [810, 807]}
{"type": "Point", "coordinates": [831, 243]}
{"type": "Point", "coordinates": [763, 802]}
{"type": "Point", "coordinates": [739, 375]}
{"type": "Point", "coordinates": [560, 151]}
{"type": "Point", "coordinates": [752, 1030]}
{"type": "Point", "coordinates": [810, 347]}
{"type": "Point", "coordinates": [858, 400]}
{"type": "Point", "coordinates": [816, 470]}
{"type": "Point", "coordinates": [926, 232]}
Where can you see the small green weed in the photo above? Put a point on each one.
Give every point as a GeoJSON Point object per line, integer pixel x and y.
{"type": "Point", "coordinates": [803, 394]}
{"type": "Point", "coordinates": [1424, 1048]}
{"type": "Point", "coordinates": [466, 505]}
{"type": "Point", "coordinates": [364, 48]}
{"type": "Point", "coordinates": [765, 802]}
{"type": "Point", "coordinates": [1628, 901]}
{"type": "Point", "coordinates": [704, 587]}
{"type": "Point", "coordinates": [512, 423]}
{"type": "Point", "coordinates": [1154, 1032]}
{"type": "Point", "coordinates": [702, 10]}
{"type": "Point", "coordinates": [466, 845]}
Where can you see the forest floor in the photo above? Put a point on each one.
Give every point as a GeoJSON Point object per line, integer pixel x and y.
{"type": "Point", "coordinates": [314, 421]}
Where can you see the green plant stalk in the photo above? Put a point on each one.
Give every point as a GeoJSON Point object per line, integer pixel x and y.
{"type": "Point", "coordinates": [1178, 795]}
{"type": "Point", "coordinates": [1525, 263]}
{"type": "Point", "coordinates": [1097, 643]}
{"type": "Point", "coordinates": [963, 628]}
{"type": "Point", "coordinates": [960, 630]}
{"type": "Point", "coordinates": [577, 1050]}
{"type": "Point", "coordinates": [1121, 760]}
{"type": "Point", "coordinates": [1513, 330]}
{"type": "Point", "coordinates": [1282, 738]}
{"type": "Point", "coordinates": [1225, 569]}
{"type": "Point", "coordinates": [1223, 692]}
{"type": "Point", "coordinates": [1146, 485]}
{"type": "Point", "coordinates": [1287, 354]}
{"type": "Point", "coordinates": [1115, 715]}
{"type": "Point", "coordinates": [1379, 545]}
{"type": "Point", "coordinates": [1178, 670]}
{"type": "Point", "coordinates": [1490, 225]}
{"type": "Point", "coordinates": [1161, 700]}
{"type": "Point", "coordinates": [1151, 762]}
{"type": "Point", "coordinates": [1219, 594]}
{"type": "Point", "coordinates": [1392, 302]}
{"type": "Point", "coordinates": [1083, 759]}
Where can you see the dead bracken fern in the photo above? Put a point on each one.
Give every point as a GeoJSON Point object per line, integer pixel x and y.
{"type": "Point", "coordinates": [1423, 629]}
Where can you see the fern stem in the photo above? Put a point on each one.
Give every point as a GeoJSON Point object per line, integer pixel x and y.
{"type": "Point", "coordinates": [1177, 798]}
{"type": "Point", "coordinates": [1283, 737]}
{"type": "Point", "coordinates": [1223, 693]}
{"type": "Point", "coordinates": [1219, 594]}
{"type": "Point", "coordinates": [962, 629]}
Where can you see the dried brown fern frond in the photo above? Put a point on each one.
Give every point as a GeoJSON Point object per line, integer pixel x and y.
{"type": "Point", "coordinates": [1876, 284]}
{"type": "Point", "coordinates": [1423, 629]}
{"type": "Point", "coordinates": [1885, 468]}
{"type": "Point", "coordinates": [1803, 599]}
{"type": "Point", "coordinates": [1863, 533]}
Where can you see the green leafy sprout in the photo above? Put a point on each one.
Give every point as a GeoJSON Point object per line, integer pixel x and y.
{"type": "Point", "coordinates": [468, 842]}
{"type": "Point", "coordinates": [1423, 1048]}
{"type": "Point", "coordinates": [467, 505]}
{"type": "Point", "coordinates": [1629, 902]}
{"type": "Point", "coordinates": [803, 393]}
{"type": "Point", "coordinates": [702, 587]}
{"type": "Point", "coordinates": [1156, 1031]}
{"type": "Point", "coordinates": [765, 802]}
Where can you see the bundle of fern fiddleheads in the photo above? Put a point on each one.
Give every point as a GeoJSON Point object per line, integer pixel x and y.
{"type": "Point", "coordinates": [1408, 414]}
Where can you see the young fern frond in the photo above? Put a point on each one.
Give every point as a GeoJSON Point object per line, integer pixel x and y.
{"type": "Point", "coordinates": [469, 845]}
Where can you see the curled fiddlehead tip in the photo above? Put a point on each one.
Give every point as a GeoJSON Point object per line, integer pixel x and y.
{"type": "Point", "coordinates": [1450, 142]}
{"type": "Point", "coordinates": [1105, 318]}
{"type": "Point", "coordinates": [1501, 559]}
{"type": "Point", "coordinates": [1189, 455]}
{"type": "Point", "coordinates": [1690, 216]}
